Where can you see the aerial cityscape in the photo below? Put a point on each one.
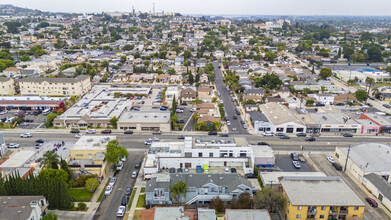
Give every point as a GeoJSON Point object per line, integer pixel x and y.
{"type": "Point", "coordinates": [175, 110]}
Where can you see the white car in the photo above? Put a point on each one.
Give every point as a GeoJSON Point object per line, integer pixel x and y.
{"type": "Point", "coordinates": [113, 181]}
{"type": "Point", "coordinates": [192, 109]}
{"type": "Point", "coordinates": [226, 170]}
{"type": "Point", "coordinates": [178, 110]}
{"type": "Point", "coordinates": [3, 112]}
{"type": "Point", "coordinates": [121, 211]}
{"type": "Point", "coordinates": [123, 159]}
{"type": "Point", "coordinates": [13, 145]}
{"type": "Point", "coordinates": [267, 133]}
{"type": "Point", "coordinates": [79, 135]}
{"type": "Point", "coordinates": [154, 139]}
{"type": "Point", "coordinates": [228, 123]}
{"type": "Point", "coordinates": [221, 101]}
{"type": "Point", "coordinates": [296, 164]}
{"type": "Point", "coordinates": [91, 131]}
{"type": "Point", "coordinates": [108, 190]}
{"type": "Point", "coordinates": [148, 142]}
{"type": "Point", "coordinates": [330, 159]}
{"type": "Point", "coordinates": [26, 135]}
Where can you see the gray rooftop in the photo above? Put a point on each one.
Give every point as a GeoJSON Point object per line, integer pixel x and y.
{"type": "Point", "coordinates": [145, 117]}
{"type": "Point", "coordinates": [54, 80]}
{"type": "Point", "coordinates": [17, 207]}
{"type": "Point", "coordinates": [370, 157]}
{"type": "Point", "coordinates": [258, 116]}
{"type": "Point", "coordinates": [165, 213]}
{"type": "Point", "coordinates": [319, 191]}
{"type": "Point", "coordinates": [232, 181]}
{"type": "Point", "coordinates": [206, 214]}
{"type": "Point", "coordinates": [331, 118]}
{"type": "Point", "coordinates": [247, 214]}
{"type": "Point", "coordinates": [381, 184]}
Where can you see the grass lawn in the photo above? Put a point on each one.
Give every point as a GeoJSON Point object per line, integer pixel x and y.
{"type": "Point", "coordinates": [142, 190]}
{"type": "Point", "coordinates": [80, 195]}
{"type": "Point", "coordinates": [132, 198]}
{"type": "Point", "coordinates": [137, 215]}
{"type": "Point", "coordinates": [383, 84]}
{"type": "Point", "coordinates": [103, 190]}
{"type": "Point", "coordinates": [141, 201]}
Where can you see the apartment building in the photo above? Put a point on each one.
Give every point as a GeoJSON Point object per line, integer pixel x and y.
{"type": "Point", "coordinates": [55, 86]}
{"type": "Point", "coordinates": [320, 198]}
{"type": "Point", "coordinates": [23, 207]}
{"type": "Point", "coordinates": [7, 86]}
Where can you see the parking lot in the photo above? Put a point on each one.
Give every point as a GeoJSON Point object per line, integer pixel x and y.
{"type": "Point", "coordinates": [37, 120]}
{"type": "Point", "coordinates": [284, 163]}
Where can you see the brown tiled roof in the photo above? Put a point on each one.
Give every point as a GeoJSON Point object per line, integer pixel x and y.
{"type": "Point", "coordinates": [207, 118]}
{"type": "Point", "coordinates": [206, 106]}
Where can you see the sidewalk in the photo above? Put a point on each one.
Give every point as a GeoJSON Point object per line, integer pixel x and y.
{"type": "Point", "coordinates": [140, 183]}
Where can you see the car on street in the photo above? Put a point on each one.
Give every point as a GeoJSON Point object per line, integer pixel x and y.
{"type": "Point", "coordinates": [348, 135]}
{"type": "Point", "coordinates": [181, 121]}
{"type": "Point", "coordinates": [330, 159]}
{"type": "Point", "coordinates": [221, 101]}
{"type": "Point", "coordinates": [178, 110]}
{"type": "Point", "coordinates": [262, 143]}
{"type": "Point", "coordinates": [13, 145]}
{"type": "Point", "coordinates": [120, 165]}
{"type": "Point", "coordinates": [310, 139]}
{"type": "Point", "coordinates": [387, 105]}
{"type": "Point", "coordinates": [134, 174]}
{"type": "Point", "coordinates": [79, 135]}
{"type": "Point", "coordinates": [192, 109]}
{"type": "Point", "coordinates": [26, 135]}
{"type": "Point", "coordinates": [123, 159]}
{"type": "Point", "coordinates": [138, 165]}
{"type": "Point", "coordinates": [369, 104]}
{"type": "Point", "coordinates": [179, 170]}
{"type": "Point", "coordinates": [285, 137]}
{"type": "Point", "coordinates": [75, 131]}
{"type": "Point", "coordinates": [128, 132]}
{"type": "Point", "coordinates": [3, 112]}
{"type": "Point", "coordinates": [171, 170]}
{"type": "Point", "coordinates": [91, 131]}
{"type": "Point", "coordinates": [187, 170]}
{"type": "Point", "coordinates": [108, 190]}
{"type": "Point", "coordinates": [228, 123]}
{"type": "Point", "coordinates": [371, 202]}
{"type": "Point", "coordinates": [148, 142]}
{"type": "Point", "coordinates": [235, 117]}
{"type": "Point", "coordinates": [267, 133]}
{"type": "Point", "coordinates": [107, 131]}
{"type": "Point", "coordinates": [226, 170]}
{"type": "Point", "coordinates": [279, 134]}
{"type": "Point", "coordinates": [244, 126]}
{"type": "Point", "coordinates": [24, 124]}
{"type": "Point", "coordinates": [113, 181]}
{"type": "Point", "coordinates": [296, 164]}
{"type": "Point", "coordinates": [181, 137]}
{"type": "Point", "coordinates": [212, 133]}
{"type": "Point", "coordinates": [251, 176]}
{"type": "Point", "coordinates": [224, 135]}
{"type": "Point", "coordinates": [294, 157]}
{"type": "Point", "coordinates": [128, 191]}
{"type": "Point", "coordinates": [301, 134]}
{"type": "Point", "coordinates": [233, 170]}
{"type": "Point", "coordinates": [154, 139]}
{"type": "Point", "coordinates": [121, 211]}
{"type": "Point", "coordinates": [337, 166]}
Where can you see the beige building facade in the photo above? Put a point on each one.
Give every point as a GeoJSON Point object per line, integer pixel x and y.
{"type": "Point", "coordinates": [7, 86]}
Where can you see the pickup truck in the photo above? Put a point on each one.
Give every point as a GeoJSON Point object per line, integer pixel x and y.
{"type": "Point", "coordinates": [301, 157]}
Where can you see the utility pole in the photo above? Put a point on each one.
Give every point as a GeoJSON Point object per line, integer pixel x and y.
{"type": "Point", "coordinates": [347, 157]}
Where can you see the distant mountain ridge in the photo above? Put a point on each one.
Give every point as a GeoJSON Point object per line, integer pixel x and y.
{"type": "Point", "coordinates": [9, 9]}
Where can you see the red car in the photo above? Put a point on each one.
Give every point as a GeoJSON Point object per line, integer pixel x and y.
{"type": "Point", "coordinates": [106, 131]}
{"type": "Point", "coordinates": [131, 97]}
{"type": "Point", "coordinates": [372, 202]}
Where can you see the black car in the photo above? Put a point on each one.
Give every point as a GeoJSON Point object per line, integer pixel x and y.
{"type": "Point", "coordinates": [179, 170]}
{"type": "Point", "coordinates": [184, 103]}
{"type": "Point", "coordinates": [124, 200]}
{"type": "Point", "coordinates": [180, 121]}
{"type": "Point", "coordinates": [371, 98]}
{"type": "Point", "coordinates": [279, 134]}
{"type": "Point", "coordinates": [285, 137]}
{"type": "Point", "coordinates": [337, 166]}
{"type": "Point", "coordinates": [294, 157]}
{"type": "Point", "coordinates": [233, 170]}
{"type": "Point", "coordinates": [263, 143]}
{"type": "Point", "coordinates": [310, 139]}
{"type": "Point", "coordinates": [212, 133]}
{"type": "Point", "coordinates": [75, 131]}
{"type": "Point", "coordinates": [348, 135]}
{"type": "Point", "coordinates": [40, 141]}
{"type": "Point", "coordinates": [29, 120]}
{"type": "Point", "coordinates": [128, 132]}
{"type": "Point", "coordinates": [301, 134]}
{"type": "Point", "coordinates": [340, 104]}
{"type": "Point", "coordinates": [138, 165]}
{"type": "Point", "coordinates": [251, 176]}
{"type": "Point", "coordinates": [320, 104]}
{"type": "Point", "coordinates": [369, 104]}
{"type": "Point", "coordinates": [224, 135]}
{"type": "Point", "coordinates": [181, 137]}
{"type": "Point", "coordinates": [172, 170]}
{"type": "Point", "coordinates": [235, 117]}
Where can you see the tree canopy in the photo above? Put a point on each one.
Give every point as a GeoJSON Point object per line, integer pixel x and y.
{"type": "Point", "coordinates": [115, 152]}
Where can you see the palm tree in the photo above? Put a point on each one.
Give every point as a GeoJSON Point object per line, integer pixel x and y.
{"type": "Point", "coordinates": [50, 159]}
{"type": "Point", "coordinates": [369, 82]}
{"type": "Point", "coordinates": [177, 189]}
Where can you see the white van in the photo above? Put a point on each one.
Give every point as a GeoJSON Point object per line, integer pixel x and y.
{"type": "Point", "coordinates": [120, 165]}
{"type": "Point", "coordinates": [46, 111]}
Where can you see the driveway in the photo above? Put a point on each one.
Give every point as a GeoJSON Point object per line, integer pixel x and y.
{"type": "Point", "coordinates": [284, 163]}
{"type": "Point", "coordinates": [320, 160]}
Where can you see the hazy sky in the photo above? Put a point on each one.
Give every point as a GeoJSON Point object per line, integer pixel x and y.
{"type": "Point", "coordinates": [251, 7]}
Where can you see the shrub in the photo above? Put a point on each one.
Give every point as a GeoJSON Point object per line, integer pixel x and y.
{"type": "Point", "coordinates": [82, 206]}
{"type": "Point", "coordinates": [91, 184]}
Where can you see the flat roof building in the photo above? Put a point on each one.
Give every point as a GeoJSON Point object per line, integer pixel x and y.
{"type": "Point", "coordinates": [23, 207]}
{"type": "Point", "coordinates": [145, 121]}
{"type": "Point", "coordinates": [247, 214]}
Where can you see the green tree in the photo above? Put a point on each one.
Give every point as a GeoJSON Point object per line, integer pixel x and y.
{"type": "Point", "coordinates": [50, 159]}
{"type": "Point", "coordinates": [191, 78]}
{"type": "Point", "coordinates": [50, 216]}
{"type": "Point", "coordinates": [51, 173]}
{"type": "Point", "coordinates": [91, 184]}
{"type": "Point", "coordinates": [369, 82]}
{"type": "Point", "coordinates": [82, 206]}
{"type": "Point", "coordinates": [374, 53]}
{"type": "Point", "coordinates": [269, 199]}
{"type": "Point", "coordinates": [49, 120]}
{"type": "Point", "coordinates": [173, 106]}
{"type": "Point", "coordinates": [217, 204]}
{"type": "Point", "coordinates": [361, 95]}
{"type": "Point", "coordinates": [64, 166]}
{"type": "Point", "coordinates": [115, 152]}
{"type": "Point", "coordinates": [325, 73]}
{"type": "Point", "coordinates": [177, 189]}
{"type": "Point", "coordinates": [270, 81]}
{"type": "Point", "coordinates": [25, 58]}
{"type": "Point", "coordinates": [245, 201]}
{"type": "Point", "coordinates": [114, 122]}
{"type": "Point", "coordinates": [123, 59]}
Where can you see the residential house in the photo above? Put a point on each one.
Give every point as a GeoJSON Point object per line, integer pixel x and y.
{"type": "Point", "coordinates": [162, 78]}
{"type": "Point", "coordinates": [171, 92]}
{"type": "Point", "coordinates": [257, 92]}
{"type": "Point", "coordinates": [326, 99]}
{"type": "Point", "coordinates": [204, 78]}
{"type": "Point", "coordinates": [179, 60]}
{"type": "Point", "coordinates": [320, 198]}
{"type": "Point", "coordinates": [12, 72]}
{"type": "Point", "coordinates": [251, 107]}
{"type": "Point", "coordinates": [188, 95]}
{"type": "Point", "coordinates": [210, 109]}
{"type": "Point", "coordinates": [205, 94]}
{"type": "Point", "coordinates": [176, 78]}
{"type": "Point", "coordinates": [23, 207]}
{"type": "Point", "coordinates": [7, 86]}
{"type": "Point", "coordinates": [201, 188]}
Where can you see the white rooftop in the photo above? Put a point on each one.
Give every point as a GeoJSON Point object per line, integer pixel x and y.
{"type": "Point", "coordinates": [145, 117]}
{"type": "Point", "coordinates": [165, 213]}
{"type": "Point", "coordinates": [370, 157]}
{"type": "Point", "coordinates": [319, 191]}
{"type": "Point", "coordinates": [268, 177]}
{"type": "Point", "coordinates": [93, 142]}
{"type": "Point", "coordinates": [262, 151]}
{"type": "Point", "coordinates": [247, 214]}
{"type": "Point", "coordinates": [18, 159]}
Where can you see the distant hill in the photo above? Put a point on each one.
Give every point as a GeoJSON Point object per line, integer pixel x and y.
{"type": "Point", "coordinates": [8, 9]}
